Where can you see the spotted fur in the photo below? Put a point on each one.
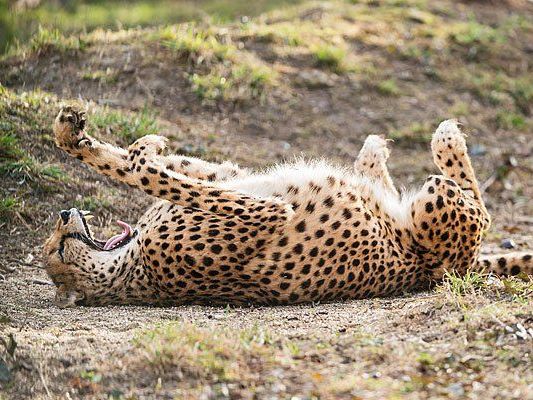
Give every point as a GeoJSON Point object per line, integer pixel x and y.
{"type": "Point", "coordinates": [299, 232]}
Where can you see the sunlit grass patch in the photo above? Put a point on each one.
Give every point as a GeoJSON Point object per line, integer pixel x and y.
{"type": "Point", "coordinates": [418, 132]}
{"type": "Point", "coordinates": [26, 167]}
{"type": "Point", "coordinates": [9, 205]}
{"type": "Point", "coordinates": [389, 87]}
{"type": "Point", "coordinates": [496, 87]}
{"type": "Point", "coordinates": [209, 87]}
{"type": "Point", "coordinates": [462, 285]}
{"type": "Point", "coordinates": [92, 203]}
{"type": "Point", "coordinates": [45, 40]}
{"type": "Point", "coordinates": [195, 44]}
{"type": "Point", "coordinates": [471, 32]}
{"type": "Point", "coordinates": [186, 350]}
{"type": "Point", "coordinates": [519, 287]}
{"type": "Point", "coordinates": [86, 16]}
{"type": "Point", "coordinates": [511, 121]}
{"type": "Point", "coordinates": [103, 76]}
{"type": "Point", "coordinates": [9, 144]}
{"type": "Point", "coordinates": [220, 71]}
{"type": "Point", "coordinates": [127, 126]}
{"type": "Point", "coordinates": [329, 56]}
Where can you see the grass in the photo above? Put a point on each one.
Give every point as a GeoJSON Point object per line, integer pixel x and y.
{"type": "Point", "coordinates": [329, 56]}
{"type": "Point", "coordinates": [46, 40]}
{"type": "Point", "coordinates": [417, 132]}
{"type": "Point", "coordinates": [195, 44]}
{"type": "Point", "coordinates": [16, 162]}
{"type": "Point", "coordinates": [9, 205]}
{"type": "Point", "coordinates": [85, 16]}
{"type": "Point", "coordinates": [128, 127]}
{"type": "Point", "coordinates": [92, 203]}
{"type": "Point", "coordinates": [462, 285]}
{"type": "Point", "coordinates": [221, 355]}
{"type": "Point", "coordinates": [511, 121]}
{"type": "Point", "coordinates": [221, 70]}
{"type": "Point", "coordinates": [389, 87]}
{"type": "Point", "coordinates": [106, 76]}
{"type": "Point", "coordinates": [473, 32]}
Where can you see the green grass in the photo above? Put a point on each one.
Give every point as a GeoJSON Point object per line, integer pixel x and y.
{"type": "Point", "coordinates": [195, 44]}
{"type": "Point", "coordinates": [463, 289]}
{"type": "Point", "coordinates": [417, 132]}
{"type": "Point", "coordinates": [473, 32]}
{"type": "Point", "coordinates": [209, 87]}
{"type": "Point", "coordinates": [389, 87]}
{"type": "Point", "coordinates": [92, 203]}
{"type": "Point", "coordinates": [16, 162]}
{"type": "Point", "coordinates": [80, 16]}
{"type": "Point", "coordinates": [520, 288]}
{"type": "Point", "coordinates": [9, 205]}
{"type": "Point", "coordinates": [9, 144]}
{"type": "Point", "coordinates": [28, 168]}
{"type": "Point", "coordinates": [107, 76]}
{"type": "Point", "coordinates": [227, 74]}
{"type": "Point", "coordinates": [329, 56]}
{"type": "Point", "coordinates": [511, 121]}
{"type": "Point", "coordinates": [129, 127]}
{"type": "Point", "coordinates": [461, 285]}
{"type": "Point", "coordinates": [45, 40]}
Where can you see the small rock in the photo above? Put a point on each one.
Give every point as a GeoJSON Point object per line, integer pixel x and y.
{"type": "Point", "coordinates": [5, 374]}
{"type": "Point", "coordinates": [456, 389]}
{"type": "Point", "coordinates": [508, 244]}
{"type": "Point", "coordinates": [285, 145]}
{"type": "Point", "coordinates": [477, 150]}
{"type": "Point", "coordinates": [29, 258]}
{"type": "Point", "coordinates": [315, 79]}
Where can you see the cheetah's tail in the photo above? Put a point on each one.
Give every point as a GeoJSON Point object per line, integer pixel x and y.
{"type": "Point", "coordinates": [506, 264]}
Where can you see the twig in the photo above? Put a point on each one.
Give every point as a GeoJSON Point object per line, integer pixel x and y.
{"type": "Point", "coordinates": [22, 220]}
{"type": "Point", "coordinates": [488, 183]}
{"type": "Point", "coordinates": [39, 368]}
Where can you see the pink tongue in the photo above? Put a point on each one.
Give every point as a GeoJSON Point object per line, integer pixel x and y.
{"type": "Point", "coordinates": [126, 231]}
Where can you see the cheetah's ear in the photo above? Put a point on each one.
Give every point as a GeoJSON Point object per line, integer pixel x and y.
{"type": "Point", "coordinates": [67, 298]}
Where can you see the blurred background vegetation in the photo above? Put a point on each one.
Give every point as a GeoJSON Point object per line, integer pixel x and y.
{"type": "Point", "coordinates": [20, 19]}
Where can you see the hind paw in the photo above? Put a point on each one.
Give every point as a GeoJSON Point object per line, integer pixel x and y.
{"type": "Point", "coordinates": [448, 138]}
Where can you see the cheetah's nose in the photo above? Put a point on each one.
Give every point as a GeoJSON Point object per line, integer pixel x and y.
{"type": "Point", "coordinates": [64, 214]}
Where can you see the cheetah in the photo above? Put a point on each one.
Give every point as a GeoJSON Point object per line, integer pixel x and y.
{"type": "Point", "coordinates": [295, 233]}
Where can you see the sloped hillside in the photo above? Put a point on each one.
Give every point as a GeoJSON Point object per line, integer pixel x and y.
{"type": "Point", "coordinates": [312, 79]}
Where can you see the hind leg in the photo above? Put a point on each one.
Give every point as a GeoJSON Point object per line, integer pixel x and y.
{"type": "Point", "coordinates": [372, 162]}
{"type": "Point", "coordinates": [450, 155]}
{"type": "Point", "coordinates": [447, 227]}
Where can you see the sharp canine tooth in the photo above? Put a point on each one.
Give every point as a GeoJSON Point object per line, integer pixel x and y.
{"type": "Point", "coordinates": [89, 217]}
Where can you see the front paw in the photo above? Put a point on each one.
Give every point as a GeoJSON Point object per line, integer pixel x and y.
{"type": "Point", "coordinates": [69, 128]}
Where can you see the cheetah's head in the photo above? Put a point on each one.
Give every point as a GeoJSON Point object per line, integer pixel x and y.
{"type": "Point", "coordinates": [74, 258]}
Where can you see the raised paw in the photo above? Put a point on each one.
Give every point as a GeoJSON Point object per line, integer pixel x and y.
{"type": "Point", "coordinates": [448, 138]}
{"type": "Point", "coordinates": [374, 148]}
{"type": "Point", "coordinates": [69, 128]}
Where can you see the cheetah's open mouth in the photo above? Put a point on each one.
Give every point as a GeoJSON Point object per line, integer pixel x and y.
{"type": "Point", "coordinates": [120, 239]}
{"type": "Point", "coordinates": [113, 242]}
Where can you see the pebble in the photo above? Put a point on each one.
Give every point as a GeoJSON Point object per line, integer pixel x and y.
{"type": "Point", "coordinates": [477, 150]}
{"type": "Point", "coordinates": [508, 244]}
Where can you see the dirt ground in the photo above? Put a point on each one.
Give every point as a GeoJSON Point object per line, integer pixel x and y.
{"type": "Point", "coordinates": [439, 344]}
